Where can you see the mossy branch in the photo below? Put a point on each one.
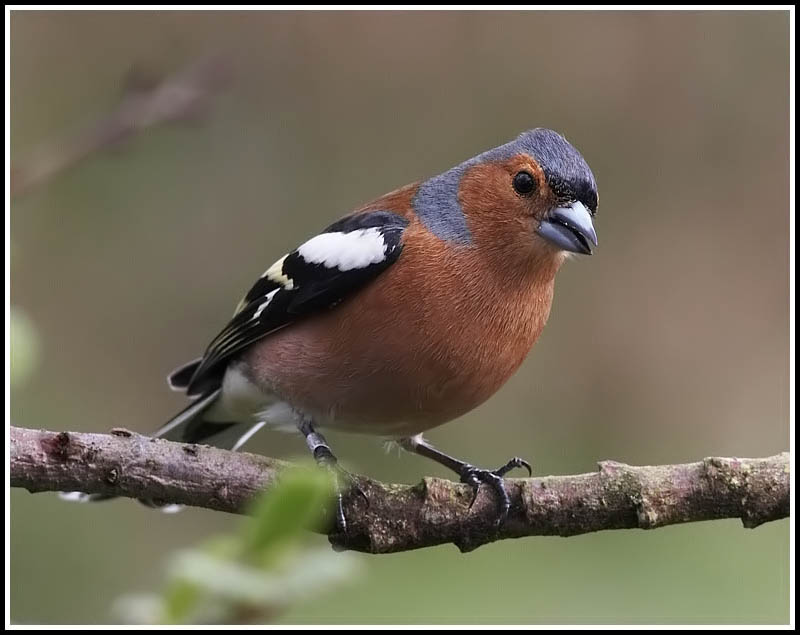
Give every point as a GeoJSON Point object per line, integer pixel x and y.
{"type": "Point", "coordinates": [405, 517]}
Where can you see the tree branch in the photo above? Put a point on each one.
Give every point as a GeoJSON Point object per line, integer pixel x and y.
{"type": "Point", "coordinates": [403, 517]}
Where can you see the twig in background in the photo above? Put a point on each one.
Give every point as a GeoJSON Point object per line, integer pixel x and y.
{"type": "Point", "coordinates": [182, 96]}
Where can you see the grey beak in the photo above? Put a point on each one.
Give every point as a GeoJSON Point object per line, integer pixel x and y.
{"type": "Point", "coordinates": [570, 228]}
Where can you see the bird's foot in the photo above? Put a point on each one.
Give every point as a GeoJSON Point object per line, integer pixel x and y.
{"type": "Point", "coordinates": [474, 476]}
{"type": "Point", "coordinates": [345, 484]}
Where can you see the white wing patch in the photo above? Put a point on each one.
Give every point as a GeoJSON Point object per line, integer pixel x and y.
{"type": "Point", "coordinates": [345, 251]}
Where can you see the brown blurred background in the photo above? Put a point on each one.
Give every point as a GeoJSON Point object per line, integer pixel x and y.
{"type": "Point", "coordinates": [668, 345]}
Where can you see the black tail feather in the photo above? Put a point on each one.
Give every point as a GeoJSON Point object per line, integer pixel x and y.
{"type": "Point", "coordinates": [180, 378]}
{"type": "Point", "coordinates": [177, 428]}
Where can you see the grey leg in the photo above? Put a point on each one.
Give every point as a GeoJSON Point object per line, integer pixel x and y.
{"type": "Point", "coordinates": [319, 447]}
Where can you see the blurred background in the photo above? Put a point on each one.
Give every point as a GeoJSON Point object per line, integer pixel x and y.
{"type": "Point", "coordinates": [668, 345]}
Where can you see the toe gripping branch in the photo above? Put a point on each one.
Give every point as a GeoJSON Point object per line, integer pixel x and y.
{"type": "Point", "coordinates": [470, 474]}
{"type": "Point", "coordinates": [474, 476]}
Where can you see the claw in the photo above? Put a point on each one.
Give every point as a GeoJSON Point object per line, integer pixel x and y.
{"type": "Point", "coordinates": [474, 482]}
{"type": "Point", "coordinates": [514, 463]}
{"type": "Point", "coordinates": [344, 481]}
{"type": "Point", "coordinates": [341, 521]}
{"type": "Point", "coordinates": [474, 476]}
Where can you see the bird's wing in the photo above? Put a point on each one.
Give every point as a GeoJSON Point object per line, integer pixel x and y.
{"type": "Point", "coordinates": [317, 275]}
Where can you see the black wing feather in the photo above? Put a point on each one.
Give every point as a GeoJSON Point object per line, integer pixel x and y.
{"type": "Point", "coordinates": [274, 303]}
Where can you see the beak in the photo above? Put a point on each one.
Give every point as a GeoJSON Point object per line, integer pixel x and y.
{"type": "Point", "coordinates": [569, 228]}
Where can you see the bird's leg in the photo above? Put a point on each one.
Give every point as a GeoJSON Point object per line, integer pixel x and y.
{"type": "Point", "coordinates": [325, 457]}
{"type": "Point", "coordinates": [470, 474]}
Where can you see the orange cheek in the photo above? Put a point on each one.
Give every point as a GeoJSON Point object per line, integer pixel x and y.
{"type": "Point", "coordinates": [495, 213]}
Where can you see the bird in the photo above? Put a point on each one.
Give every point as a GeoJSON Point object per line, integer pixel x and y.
{"type": "Point", "coordinates": [402, 315]}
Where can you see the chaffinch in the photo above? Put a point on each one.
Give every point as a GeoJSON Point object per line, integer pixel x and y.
{"type": "Point", "coordinates": [404, 314]}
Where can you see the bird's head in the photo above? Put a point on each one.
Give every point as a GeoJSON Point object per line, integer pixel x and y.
{"type": "Point", "coordinates": [547, 164]}
{"type": "Point", "coordinates": [533, 193]}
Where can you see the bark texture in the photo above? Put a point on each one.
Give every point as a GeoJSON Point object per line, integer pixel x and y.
{"type": "Point", "coordinates": [405, 517]}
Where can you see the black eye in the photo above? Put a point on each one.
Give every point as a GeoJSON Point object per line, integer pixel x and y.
{"type": "Point", "coordinates": [524, 183]}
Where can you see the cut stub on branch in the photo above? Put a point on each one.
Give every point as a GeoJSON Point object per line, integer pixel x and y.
{"type": "Point", "coordinates": [404, 517]}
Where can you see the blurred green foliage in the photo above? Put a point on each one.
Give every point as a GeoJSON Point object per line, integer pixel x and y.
{"type": "Point", "coordinates": [254, 575]}
{"type": "Point", "coordinates": [669, 344]}
{"type": "Point", "coordinates": [24, 347]}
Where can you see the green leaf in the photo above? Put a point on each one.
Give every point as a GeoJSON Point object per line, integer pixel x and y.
{"type": "Point", "coordinates": [242, 584]}
{"type": "Point", "coordinates": [254, 575]}
{"type": "Point", "coordinates": [180, 601]}
{"type": "Point", "coordinates": [224, 578]}
{"type": "Point", "coordinates": [296, 503]}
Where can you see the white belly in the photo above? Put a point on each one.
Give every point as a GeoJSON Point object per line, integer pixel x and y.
{"type": "Point", "coordinates": [242, 401]}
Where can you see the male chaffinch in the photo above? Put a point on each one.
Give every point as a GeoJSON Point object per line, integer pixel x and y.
{"type": "Point", "coordinates": [404, 314]}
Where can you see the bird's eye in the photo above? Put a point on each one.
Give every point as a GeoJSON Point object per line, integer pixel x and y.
{"type": "Point", "coordinates": [524, 183]}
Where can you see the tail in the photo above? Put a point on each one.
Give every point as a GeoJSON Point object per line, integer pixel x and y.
{"type": "Point", "coordinates": [188, 426]}
{"type": "Point", "coordinates": [180, 378]}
